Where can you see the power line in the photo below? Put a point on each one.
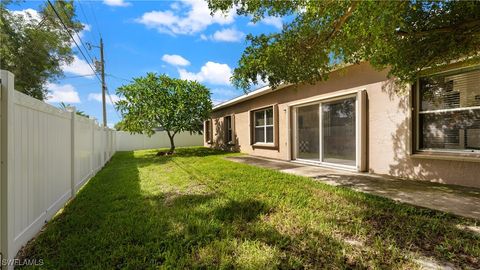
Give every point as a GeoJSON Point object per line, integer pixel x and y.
{"type": "Point", "coordinates": [83, 12]}
{"type": "Point", "coordinates": [119, 78]}
{"type": "Point", "coordinates": [109, 96]}
{"type": "Point", "coordinates": [73, 39]}
{"type": "Point", "coordinates": [85, 84]}
{"type": "Point", "coordinates": [80, 39]}
{"type": "Point", "coordinates": [78, 76]}
{"type": "Point", "coordinates": [95, 19]}
{"type": "Point", "coordinates": [113, 104]}
{"type": "Point", "coordinates": [86, 18]}
{"type": "Point", "coordinates": [76, 44]}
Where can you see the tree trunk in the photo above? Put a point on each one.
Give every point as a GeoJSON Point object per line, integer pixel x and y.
{"type": "Point", "coordinates": [172, 143]}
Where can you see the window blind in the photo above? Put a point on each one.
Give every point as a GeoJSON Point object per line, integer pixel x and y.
{"type": "Point", "coordinates": [449, 111]}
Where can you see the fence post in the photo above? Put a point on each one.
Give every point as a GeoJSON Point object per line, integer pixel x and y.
{"type": "Point", "coordinates": [72, 110]}
{"type": "Point", "coordinates": [6, 151]}
{"type": "Point", "coordinates": [102, 146]}
{"type": "Point", "coordinates": [92, 150]}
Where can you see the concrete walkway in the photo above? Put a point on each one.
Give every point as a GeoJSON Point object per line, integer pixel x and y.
{"type": "Point", "coordinates": [462, 201]}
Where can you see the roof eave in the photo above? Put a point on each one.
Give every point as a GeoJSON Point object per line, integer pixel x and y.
{"type": "Point", "coordinates": [265, 90]}
{"type": "Point", "coordinates": [250, 95]}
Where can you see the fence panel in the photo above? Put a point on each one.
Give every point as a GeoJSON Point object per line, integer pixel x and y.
{"type": "Point", "coordinates": [129, 142]}
{"type": "Point", "coordinates": [41, 172]}
{"type": "Point", "coordinates": [83, 150]}
{"type": "Point", "coordinates": [47, 154]}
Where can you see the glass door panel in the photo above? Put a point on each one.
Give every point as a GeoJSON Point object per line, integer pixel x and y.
{"type": "Point", "coordinates": [308, 142]}
{"type": "Point", "coordinates": [338, 132]}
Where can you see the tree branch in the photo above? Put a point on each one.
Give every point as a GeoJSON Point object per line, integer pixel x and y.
{"type": "Point", "coordinates": [440, 30]}
{"type": "Point", "coordinates": [309, 44]}
{"type": "Point", "coordinates": [341, 21]}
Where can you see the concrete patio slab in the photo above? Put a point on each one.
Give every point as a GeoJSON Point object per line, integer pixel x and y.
{"type": "Point", "coordinates": [462, 201]}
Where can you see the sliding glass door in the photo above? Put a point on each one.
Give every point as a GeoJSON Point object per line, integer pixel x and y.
{"type": "Point", "coordinates": [308, 146]}
{"type": "Point", "coordinates": [325, 132]}
{"type": "Point", "coordinates": [338, 130]}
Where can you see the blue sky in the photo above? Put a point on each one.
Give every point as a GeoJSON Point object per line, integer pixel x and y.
{"type": "Point", "coordinates": [178, 38]}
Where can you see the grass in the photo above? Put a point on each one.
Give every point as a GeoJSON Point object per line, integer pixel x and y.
{"type": "Point", "coordinates": [198, 210]}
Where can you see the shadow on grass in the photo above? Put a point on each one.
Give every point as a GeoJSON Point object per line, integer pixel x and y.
{"type": "Point", "coordinates": [112, 223]}
{"type": "Point", "coordinates": [181, 152]}
{"type": "Point", "coordinates": [133, 214]}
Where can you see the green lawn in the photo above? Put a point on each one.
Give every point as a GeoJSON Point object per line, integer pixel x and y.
{"type": "Point", "coordinates": [199, 210]}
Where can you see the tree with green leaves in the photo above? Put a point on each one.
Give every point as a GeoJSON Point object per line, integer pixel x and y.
{"type": "Point", "coordinates": [35, 45]}
{"type": "Point", "coordinates": [404, 36]}
{"type": "Point", "coordinates": [119, 126]}
{"type": "Point", "coordinates": [160, 101]}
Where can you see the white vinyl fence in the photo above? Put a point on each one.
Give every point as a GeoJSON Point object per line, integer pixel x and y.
{"type": "Point", "coordinates": [47, 154]}
{"type": "Point", "coordinates": [129, 142]}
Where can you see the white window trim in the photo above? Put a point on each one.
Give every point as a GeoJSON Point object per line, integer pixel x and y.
{"type": "Point", "coordinates": [449, 110]}
{"type": "Point", "coordinates": [417, 132]}
{"type": "Point", "coordinates": [319, 101]}
{"type": "Point", "coordinates": [264, 143]}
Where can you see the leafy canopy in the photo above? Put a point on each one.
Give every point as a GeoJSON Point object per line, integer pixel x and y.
{"type": "Point", "coordinates": [404, 36]}
{"type": "Point", "coordinates": [160, 101]}
{"type": "Point", "coordinates": [119, 126]}
{"type": "Point", "coordinates": [34, 49]}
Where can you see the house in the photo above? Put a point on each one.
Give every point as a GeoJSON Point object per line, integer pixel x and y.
{"type": "Point", "coordinates": [360, 120]}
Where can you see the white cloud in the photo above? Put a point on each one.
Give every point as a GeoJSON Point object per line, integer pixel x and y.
{"type": "Point", "coordinates": [270, 20]}
{"type": "Point", "coordinates": [273, 21]}
{"type": "Point", "coordinates": [175, 6]}
{"type": "Point", "coordinates": [211, 72]}
{"type": "Point", "coordinates": [116, 3]}
{"type": "Point", "coordinates": [78, 67]}
{"type": "Point", "coordinates": [81, 34]}
{"type": "Point", "coordinates": [203, 37]}
{"type": "Point", "coordinates": [33, 17]}
{"type": "Point", "coordinates": [260, 82]}
{"type": "Point", "coordinates": [98, 97]}
{"type": "Point", "coordinates": [86, 27]}
{"type": "Point", "coordinates": [29, 15]}
{"type": "Point", "coordinates": [187, 17]}
{"type": "Point", "coordinates": [62, 93]}
{"type": "Point", "coordinates": [175, 60]}
{"type": "Point", "coordinates": [228, 35]}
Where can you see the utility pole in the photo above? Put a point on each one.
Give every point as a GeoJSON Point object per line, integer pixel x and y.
{"type": "Point", "coordinates": [104, 86]}
{"type": "Point", "coordinates": [100, 65]}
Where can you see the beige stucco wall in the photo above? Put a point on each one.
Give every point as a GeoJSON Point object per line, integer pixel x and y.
{"type": "Point", "coordinates": [388, 118]}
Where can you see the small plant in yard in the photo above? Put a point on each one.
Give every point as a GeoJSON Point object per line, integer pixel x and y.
{"type": "Point", "coordinates": [197, 209]}
{"type": "Point", "coordinates": [160, 101]}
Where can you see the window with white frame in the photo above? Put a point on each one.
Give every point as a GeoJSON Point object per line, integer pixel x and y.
{"type": "Point", "coordinates": [448, 111]}
{"type": "Point", "coordinates": [263, 121]}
